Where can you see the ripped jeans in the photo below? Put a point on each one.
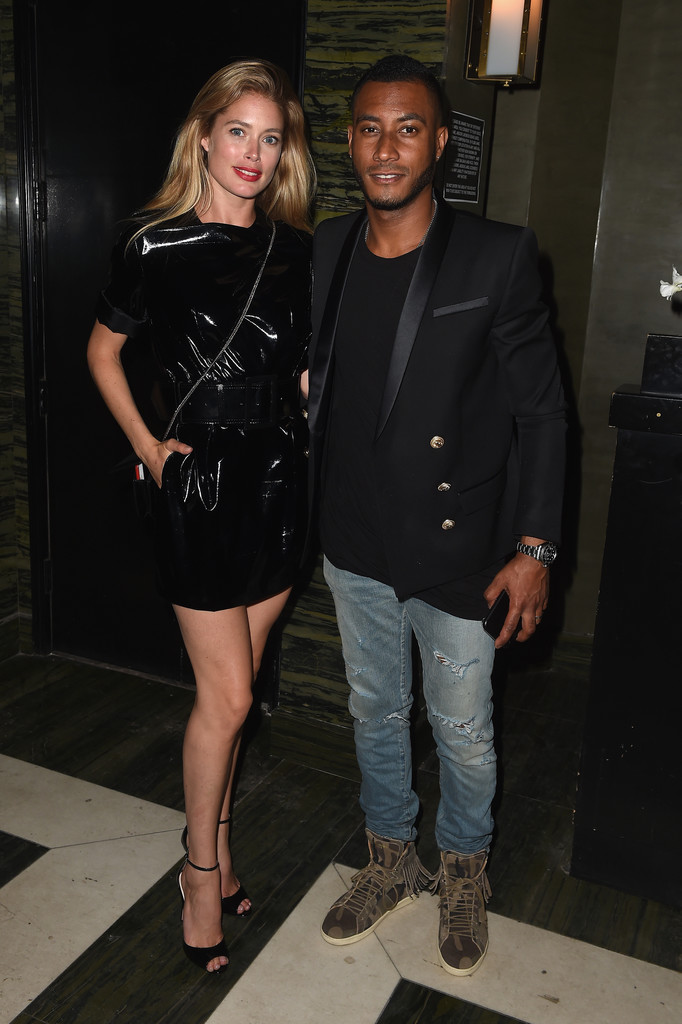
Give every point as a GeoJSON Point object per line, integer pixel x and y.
{"type": "Point", "coordinates": [457, 659]}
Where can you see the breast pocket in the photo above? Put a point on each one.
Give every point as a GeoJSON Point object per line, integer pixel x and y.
{"type": "Point", "coordinates": [461, 307]}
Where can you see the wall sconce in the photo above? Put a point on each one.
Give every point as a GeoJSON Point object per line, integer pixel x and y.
{"type": "Point", "coordinates": [504, 39]}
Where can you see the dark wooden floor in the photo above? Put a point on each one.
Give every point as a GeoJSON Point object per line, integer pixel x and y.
{"type": "Point", "coordinates": [124, 732]}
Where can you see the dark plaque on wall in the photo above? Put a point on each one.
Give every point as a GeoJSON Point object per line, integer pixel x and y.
{"type": "Point", "coordinates": [463, 157]}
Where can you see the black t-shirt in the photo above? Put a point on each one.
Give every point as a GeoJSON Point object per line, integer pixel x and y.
{"type": "Point", "coordinates": [350, 523]}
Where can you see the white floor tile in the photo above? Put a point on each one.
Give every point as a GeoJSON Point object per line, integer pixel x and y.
{"type": "Point", "coordinates": [57, 810]}
{"type": "Point", "coordinates": [529, 974]}
{"type": "Point", "coordinates": [300, 978]}
{"type": "Point", "coordinates": [58, 906]}
{"type": "Point", "coordinates": [537, 975]}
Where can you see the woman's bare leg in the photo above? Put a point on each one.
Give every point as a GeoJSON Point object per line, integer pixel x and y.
{"type": "Point", "coordinates": [228, 880]}
{"type": "Point", "coordinates": [261, 617]}
{"type": "Point", "coordinates": [219, 648]}
{"type": "Point", "coordinates": [223, 651]}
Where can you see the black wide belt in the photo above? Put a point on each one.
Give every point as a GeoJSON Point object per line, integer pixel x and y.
{"type": "Point", "coordinates": [253, 402]}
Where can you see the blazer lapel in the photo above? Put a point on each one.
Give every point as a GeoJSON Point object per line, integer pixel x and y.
{"type": "Point", "coordinates": [427, 268]}
{"type": "Point", "coordinates": [320, 376]}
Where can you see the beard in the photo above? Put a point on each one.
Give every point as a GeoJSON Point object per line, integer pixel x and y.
{"type": "Point", "coordinates": [398, 203]}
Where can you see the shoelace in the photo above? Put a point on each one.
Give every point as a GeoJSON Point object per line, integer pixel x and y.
{"type": "Point", "coordinates": [459, 897]}
{"type": "Point", "coordinates": [367, 883]}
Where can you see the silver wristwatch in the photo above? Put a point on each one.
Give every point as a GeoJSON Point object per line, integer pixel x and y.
{"type": "Point", "coordinates": [545, 553]}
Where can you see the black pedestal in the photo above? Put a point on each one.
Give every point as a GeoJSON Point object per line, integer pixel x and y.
{"type": "Point", "coordinates": [628, 827]}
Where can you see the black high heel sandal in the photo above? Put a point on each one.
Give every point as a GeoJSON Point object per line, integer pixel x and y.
{"type": "Point", "coordinates": [202, 955]}
{"type": "Point", "coordinates": [230, 904]}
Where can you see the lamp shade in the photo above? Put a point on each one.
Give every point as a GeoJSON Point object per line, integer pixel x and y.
{"type": "Point", "coordinates": [504, 39]}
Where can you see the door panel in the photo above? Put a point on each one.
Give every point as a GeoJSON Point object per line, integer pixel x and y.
{"type": "Point", "coordinates": [106, 88]}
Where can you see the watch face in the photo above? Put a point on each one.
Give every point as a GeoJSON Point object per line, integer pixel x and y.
{"type": "Point", "coordinates": [549, 553]}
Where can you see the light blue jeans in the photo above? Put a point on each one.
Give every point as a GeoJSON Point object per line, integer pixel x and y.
{"type": "Point", "coordinates": [457, 659]}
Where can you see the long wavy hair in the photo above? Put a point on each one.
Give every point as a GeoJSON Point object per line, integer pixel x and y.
{"type": "Point", "coordinates": [187, 185]}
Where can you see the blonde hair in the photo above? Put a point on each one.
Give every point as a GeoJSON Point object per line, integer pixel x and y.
{"type": "Point", "coordinates": [187, 185]}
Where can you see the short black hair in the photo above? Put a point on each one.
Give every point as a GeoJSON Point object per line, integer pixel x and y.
{"type": "Point", "coordinates": [398, 67]}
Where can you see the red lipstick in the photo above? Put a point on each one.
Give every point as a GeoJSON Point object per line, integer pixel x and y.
{"type": "Point", "coordinates": [247, 173]}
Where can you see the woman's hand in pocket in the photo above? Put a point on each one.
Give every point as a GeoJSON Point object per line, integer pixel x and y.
{"type": "Point", "coordinates": [155, 459]}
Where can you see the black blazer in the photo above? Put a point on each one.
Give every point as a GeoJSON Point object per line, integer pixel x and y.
{"type": "Point", "coordinates": [470, 440]}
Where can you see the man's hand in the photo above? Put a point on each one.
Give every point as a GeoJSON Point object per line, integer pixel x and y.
{"type": "Point", "coordinates": [527, 582]}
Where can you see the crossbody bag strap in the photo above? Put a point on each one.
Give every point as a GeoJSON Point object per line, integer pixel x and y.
{"type": "Point", "coordinates": [229, 339]}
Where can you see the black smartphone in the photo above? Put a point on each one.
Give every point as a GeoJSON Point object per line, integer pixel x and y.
{"type": "Point", "coordinates": [494, 620]}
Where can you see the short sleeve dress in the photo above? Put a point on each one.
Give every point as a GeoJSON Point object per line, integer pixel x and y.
{"type": "Point", "coordinates": [229, 517]}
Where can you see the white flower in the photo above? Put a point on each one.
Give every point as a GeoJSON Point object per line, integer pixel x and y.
{"type": "Point", "coordinates": [668, 290]}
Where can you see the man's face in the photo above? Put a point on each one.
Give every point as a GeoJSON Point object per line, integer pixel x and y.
{"type": "Point", "coordinates": [394, 142]}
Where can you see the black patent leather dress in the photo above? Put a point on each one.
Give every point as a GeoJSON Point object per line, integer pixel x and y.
{"type": "Point", "coordinates": [230, 517]}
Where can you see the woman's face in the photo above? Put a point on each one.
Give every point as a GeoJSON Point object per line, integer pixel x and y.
{"type": "Point", "coordinates": [244, 147]}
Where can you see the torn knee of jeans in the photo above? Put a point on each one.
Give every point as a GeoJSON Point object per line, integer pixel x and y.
{"type": "Point", "coordinates": [465, 728]}
{"type": "Point", "coordinates": [457, 668]}
{"type": "Point", "coordinates": [401, 715]}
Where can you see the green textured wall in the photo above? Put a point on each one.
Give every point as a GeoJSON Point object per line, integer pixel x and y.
{"type": "Point", "coordinates": [344, 38]}
{"type": "Point", "coordinates": [14, 554]}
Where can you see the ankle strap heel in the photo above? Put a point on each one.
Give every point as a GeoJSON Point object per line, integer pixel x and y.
{"type": "Point", "coordinates": [197, 867]}
{"type": "Point", "coordinates": [230, 904]}
{"type": "Point", "coordinates": [201, 956]}
{"type": "Point", "coordinates": [184, 838]}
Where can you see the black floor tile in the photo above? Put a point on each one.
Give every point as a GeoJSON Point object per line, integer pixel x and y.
{"type": "Point", "coordinates": [16, 855]}
{"type": "Point", "coordinates": [110, 728]}
{"type": "Point", "coordinates": [546, 691]}
{"type": "Point", "coordinates": [415, 1004]}
{"type": "Point", "coordinates": [539, 756]}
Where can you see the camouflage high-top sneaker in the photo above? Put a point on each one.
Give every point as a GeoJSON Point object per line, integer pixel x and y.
{"type": "Point", "coordinates": [393, 877]}
{"type": "Point", "coordinates": [463, 928]}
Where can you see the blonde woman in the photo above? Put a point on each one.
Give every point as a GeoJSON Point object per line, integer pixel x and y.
{"type": "Point", "coordinates": [215, 271]}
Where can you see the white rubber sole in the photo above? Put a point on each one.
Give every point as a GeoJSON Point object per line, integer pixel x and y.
{"type": "Point", "coordinates": [368, 931]}
{"type": "Point", "coordinates": [462, 972]}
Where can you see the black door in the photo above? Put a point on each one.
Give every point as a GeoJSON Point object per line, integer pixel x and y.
{"type": "Point", "coordinates": [102, 88]}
